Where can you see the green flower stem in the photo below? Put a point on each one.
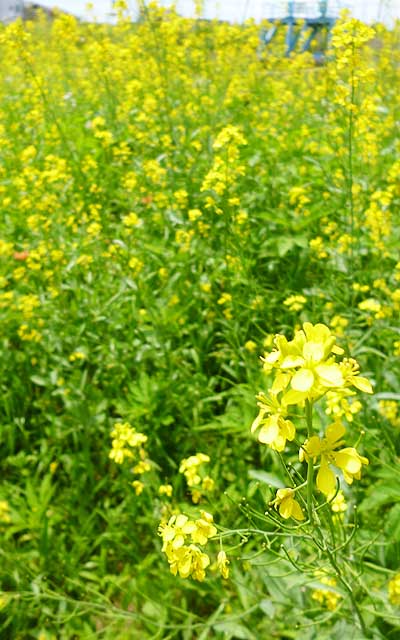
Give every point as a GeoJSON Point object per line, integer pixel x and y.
{"type": "Point", "coordinates": [310, 468]}
{"type": "Point", "coordinates": [349, 590]}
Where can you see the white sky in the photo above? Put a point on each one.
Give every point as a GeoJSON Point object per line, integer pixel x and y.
{"type": "Point", "coordinates": [237, 10]}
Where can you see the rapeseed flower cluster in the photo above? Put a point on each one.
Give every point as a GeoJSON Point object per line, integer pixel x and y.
{"type": "Point", "coordinates": [306, 370]}
{"type": "Point", "coordinates": [328, 597]}
{"type": "Point", "coordinates": [183, 542]}
{"type": "Point", "coordinates": [127, 444]}
{"type": "Point", "coordinates": [125, 439]}
{"type": "Point", "coordinates": [5, 515]}
{"type": "Point", "coordinates": [198, 481]}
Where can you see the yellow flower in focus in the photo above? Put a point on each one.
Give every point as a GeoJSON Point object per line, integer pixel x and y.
{"type": "Point", "coordinates": [287, 505]}
{"type": "Point", "coordinates": [338, 405]}
{"type": "Point", "coordinates": [347, 459]}
{"type": "Point", "coordinates": [275, 429]}
{"type": "Point", "coordinates": [350, 370]}
{"type": "Point", "coordinates": [308, 361]}
{"type": "Point", "coordinates": [125, 436]}
{"type": "Point", "coordinates": [189, 561]}
{"type": "Point", "coordinates": [204, 528]}
{"type": "Point", "coordinates": [174, 533]}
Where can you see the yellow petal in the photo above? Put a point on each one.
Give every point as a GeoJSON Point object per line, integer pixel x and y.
{"type": "Point", "coordinates": [279, 443]}
{"type": "Point", "coordinates": [281, 494]}
{"type": "Point", "coordinates": [293, 397]}
{"type": "Point", "coordinates": [326, 480]}
{"type": "Point", "coordinates": [330, 375]}
{"type": "Point", "coordinates": [257, 421]}
{"type": "Point", "coordinates": [280, 383]}
{"type": "Point", "coordinates": [362, 384]}
{"type": "Point", "coordinates": [313, 447]}
{"type": "Point", "coordinates": [181, 520]}
{"type": "Point", "coordinates": [337, 350]}
{"type": "Point", "coordinates": [314, 351]}
{"type": "Point", "coordinates": [297, 511]}
{"type": "Point", "coordinates": [292, 361]}
{"type": "Point", "coordinates": [348, 460]}
{"type": "Point", "coordinates": [316, 333]}
{"type": "Point", "coordinates": [287, 427]}
{"type": "Point", "coordinates": [302, 380]}
{"type": "Point", "coordinates": [334, 432]}
{"type": "Point", "coordinates": [178, 542]}
{"type": "Point", "coordinates": [286, 507]}
{"type": "Point", "coordinates": [269, 430]}
{"type": "Point", "coordinates": [272, 357]}
{"type": "Point", "coordinates": [185, 566]}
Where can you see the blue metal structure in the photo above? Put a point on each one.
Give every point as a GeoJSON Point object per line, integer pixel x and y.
{"type": "Point", "coordinates": [11, 9]}
{"type": "Point", "coordinates": [315, 25]}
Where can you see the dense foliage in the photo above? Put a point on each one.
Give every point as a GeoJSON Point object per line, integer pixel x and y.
{"type": "Point", "coordinates": [172, 194]}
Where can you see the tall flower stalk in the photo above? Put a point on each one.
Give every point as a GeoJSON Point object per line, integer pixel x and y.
{"type": "Point", "coordinates": [307, 371]}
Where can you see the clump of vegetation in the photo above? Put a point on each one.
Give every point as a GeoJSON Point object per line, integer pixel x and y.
{"type": "Point", "coordinates": [172, 197]}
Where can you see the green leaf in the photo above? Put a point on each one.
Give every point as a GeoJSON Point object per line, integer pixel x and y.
{"type": "Point", "coordinates": [233, 630]}
{"type": "Point", "coordinates": [41, 382]}
{"type": "Point", "coordinates": [387, 396]}
{"type": "Point", "coordinates": [267, 478]}
{"type": "Point", "coordinates": [267, 607]}
{"type": "Point", "coordinates": [392, 524]}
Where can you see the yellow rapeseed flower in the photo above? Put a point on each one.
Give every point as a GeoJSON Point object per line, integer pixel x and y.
{"type": "Point", "coordinates": [287, 505]}
{"type": "Point", "coordinates": [348, 459]}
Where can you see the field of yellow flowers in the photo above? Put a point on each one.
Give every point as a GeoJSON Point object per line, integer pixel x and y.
{"type": "Point", "coordinates": [178, 200]}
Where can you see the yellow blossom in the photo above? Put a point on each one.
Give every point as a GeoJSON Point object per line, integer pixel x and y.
{"type": "Point", "coordinates": [138, 486]}
{"type": "Point", "coordinates": [394, 590]}
{"type": "Point", "coordinates": [174, 532]}
{"type": "Point", "coordinates": [327, 596]}
{"type": "Point", "coordinates": [165, 490]}
{"type": "Point", "coordinates": [348, 459]}
{"type": "Point", "coordinates": [287, 505]}
{"type": "Point", "coordinates": [295, 303]}
{"type": "Point", "coordinates": [274, 427]}
{"type": "Point", "coordinates": [189, 561]}
{"type": "Point", "coordinates": [204, 528]}
{"type": "Point", "coordinates": [250, 346]}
